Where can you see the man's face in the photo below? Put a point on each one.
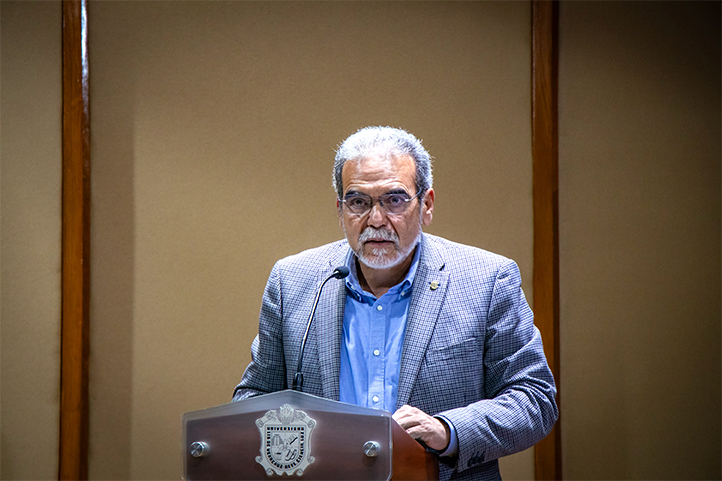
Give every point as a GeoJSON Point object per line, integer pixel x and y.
{"type": "Point", "coordinates": [379, 239]}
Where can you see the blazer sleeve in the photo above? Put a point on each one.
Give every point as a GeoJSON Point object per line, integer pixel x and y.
{"type": "Point", "coordinates": [520, 407]}
{"type": "Point", "coordinates": [267, 371]}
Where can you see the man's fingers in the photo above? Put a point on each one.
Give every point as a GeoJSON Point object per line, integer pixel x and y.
{"type": "Point", "coordinates": [406, 416]}
{"type": "Point", "coordinates": [415, 432]}
{"type": "Point", "coordinates": [421, 426]}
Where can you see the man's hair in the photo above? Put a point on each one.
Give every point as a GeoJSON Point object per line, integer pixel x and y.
{"type": "Point", "coordinates": [384, 142]}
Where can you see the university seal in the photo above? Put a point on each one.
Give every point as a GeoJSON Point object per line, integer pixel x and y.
{"type": "Point", "coordinates": [285, 441]}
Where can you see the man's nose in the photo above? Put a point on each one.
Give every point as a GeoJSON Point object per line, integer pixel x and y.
{"type": "Point", "coordinates": [377, 215]}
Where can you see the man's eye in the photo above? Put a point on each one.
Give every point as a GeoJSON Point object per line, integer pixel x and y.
{"type": "Point", "coordinates": [394, 199]}
{"type": "Point", "coordinates": [356, 202]}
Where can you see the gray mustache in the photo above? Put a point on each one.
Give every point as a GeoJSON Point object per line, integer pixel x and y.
{"type": "Point", "coordinates": [377, 234]}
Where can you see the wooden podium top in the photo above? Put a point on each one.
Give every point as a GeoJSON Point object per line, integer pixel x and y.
{"type": "Point", "coordinates": [295, 434]}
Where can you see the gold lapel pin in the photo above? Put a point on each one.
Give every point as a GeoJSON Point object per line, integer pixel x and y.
{"type": "Point", "coordinates": [434, 285]}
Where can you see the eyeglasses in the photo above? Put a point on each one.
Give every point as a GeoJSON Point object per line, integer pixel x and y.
{"type": "Point", "coordinates": [361, 204]}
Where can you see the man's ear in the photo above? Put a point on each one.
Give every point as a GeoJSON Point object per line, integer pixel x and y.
{"type": "Point", "coordinates": [428, 207]}
{"type": "Point", "coordinates": [339, 211]}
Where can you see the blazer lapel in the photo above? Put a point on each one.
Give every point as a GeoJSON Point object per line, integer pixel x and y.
{"type": "Point", "coordinates": [329, 329]}
{"type": "Point", "coordinates": [426, 300]}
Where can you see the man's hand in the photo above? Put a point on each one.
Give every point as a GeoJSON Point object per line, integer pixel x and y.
{"type": "Point", "coordinates": [423, 427]}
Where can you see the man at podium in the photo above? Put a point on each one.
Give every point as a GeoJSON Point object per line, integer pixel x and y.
{"type": "Point", "coordinates": [436, 332]}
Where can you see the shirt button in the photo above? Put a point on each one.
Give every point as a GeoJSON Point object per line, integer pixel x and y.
{"type": "Point", "coordinates": [375, 399]}
{"type": "Point", "coordinates": [379, 308]}
{"type": "Point", "coordinates": [376, 352]}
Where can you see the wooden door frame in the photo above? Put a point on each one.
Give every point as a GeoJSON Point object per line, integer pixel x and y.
{"type": "Point", "coordinates": [545, 180]}
{"type": "Point", "coordinates": [75, 343]}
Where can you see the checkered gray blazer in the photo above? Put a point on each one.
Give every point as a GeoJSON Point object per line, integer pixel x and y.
{"type": "Point", "coordinates": [471, 350]}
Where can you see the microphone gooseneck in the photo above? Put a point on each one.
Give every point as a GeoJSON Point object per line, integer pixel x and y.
{"type": "Point", "coordinates": [339, 273]}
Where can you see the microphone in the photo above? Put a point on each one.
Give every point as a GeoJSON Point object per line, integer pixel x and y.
{"type": "Point", "coordinates": [339, 273]}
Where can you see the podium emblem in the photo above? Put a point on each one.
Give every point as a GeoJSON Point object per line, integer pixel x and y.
{"type": "Point", "coordinates": [285, 441]}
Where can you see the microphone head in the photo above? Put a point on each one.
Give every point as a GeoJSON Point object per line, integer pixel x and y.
{"type": "Point", "coordinates": [340, 272]}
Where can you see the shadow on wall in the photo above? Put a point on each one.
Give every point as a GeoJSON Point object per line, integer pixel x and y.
{"type": "Point", "coordinates": [112, 232]}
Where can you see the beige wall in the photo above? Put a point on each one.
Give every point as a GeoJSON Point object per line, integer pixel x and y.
{"type": "Point", "coordinates": [206, 115]}
{"type": "Point", "coordinates": [30, 171]}
{"type": "Point", "coordinates": [214, 126]}
{"type": "Point", "coordinates": [639, 163]}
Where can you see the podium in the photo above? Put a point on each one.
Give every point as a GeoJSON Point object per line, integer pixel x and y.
{"type": "Point", "coordinates": [289, 434]}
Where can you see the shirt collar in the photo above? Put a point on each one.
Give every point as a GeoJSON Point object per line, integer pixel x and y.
{"type": "Point", "coordinates": [402, 289]}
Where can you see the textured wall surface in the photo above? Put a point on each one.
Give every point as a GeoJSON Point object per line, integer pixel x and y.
{"type": "Point", "coordinates": [30, 187]}
{"type": "Point", "coordinates": [639, 162]}
{"type": "Point", "coordinates": [214, 126]}
{"type": "Point", "coordinates": [213, 129]}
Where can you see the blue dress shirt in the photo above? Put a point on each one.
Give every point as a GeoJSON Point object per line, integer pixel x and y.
{"type": "Point", "coordinates": [373, 336]}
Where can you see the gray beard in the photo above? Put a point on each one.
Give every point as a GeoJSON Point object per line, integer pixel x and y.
{"type": "Point", "coordinates": [378, 258]}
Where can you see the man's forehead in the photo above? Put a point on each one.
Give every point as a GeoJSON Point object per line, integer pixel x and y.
{"type": "Point", "coordinates": [391, 168]}
{"type": "Point", "coordinates": [388, 159]}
